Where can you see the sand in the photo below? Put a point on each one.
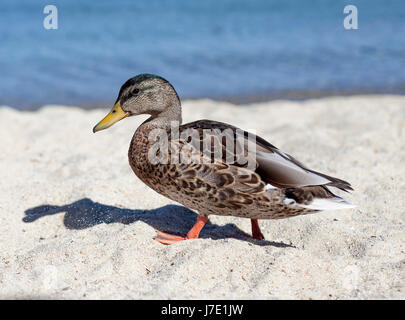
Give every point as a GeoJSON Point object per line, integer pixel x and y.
{"type": "Point", "coordinates": [75, 222]}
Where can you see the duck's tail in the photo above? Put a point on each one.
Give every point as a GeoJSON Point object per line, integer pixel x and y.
{"type": "Point", "coordinates": [316, 198]}
{"type": "Point", "coordinates": [334, 203]}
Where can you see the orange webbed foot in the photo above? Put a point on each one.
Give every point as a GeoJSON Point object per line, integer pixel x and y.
{"type": "Point", "coordinates": [167, 238]}
{"type": "Point", "coordinates": [194, 232]}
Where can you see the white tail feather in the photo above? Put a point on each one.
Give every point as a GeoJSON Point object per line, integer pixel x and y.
{"type": "Point", "coordinates": [269, 187]}
{"type": "Point", "coordinates": [335, 203]}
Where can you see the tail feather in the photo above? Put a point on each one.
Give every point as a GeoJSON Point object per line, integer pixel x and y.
{"type": "Point", "coordinates": [334, 203]}
{"type": "Point", "coordinates": [335, 182]}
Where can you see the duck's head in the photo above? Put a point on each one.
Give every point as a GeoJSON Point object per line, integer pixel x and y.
{"type": "Point", "coordinates": [143, 94]}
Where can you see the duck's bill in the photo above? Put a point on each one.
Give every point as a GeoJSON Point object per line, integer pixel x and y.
{"type": "Point", "coordinates": [116, 114]}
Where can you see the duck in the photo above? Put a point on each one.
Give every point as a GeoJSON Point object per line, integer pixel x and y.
{"type": "Point", "coordinates": [215, 168]}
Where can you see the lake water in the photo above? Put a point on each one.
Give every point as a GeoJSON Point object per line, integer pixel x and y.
{"type": "Point", "coordinates": [210, 48]}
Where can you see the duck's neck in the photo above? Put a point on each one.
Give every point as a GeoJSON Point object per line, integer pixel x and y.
{"type": "Point", "coordinates": [166, 119]}
{"type": "Point", "coordinates": [142, 140]}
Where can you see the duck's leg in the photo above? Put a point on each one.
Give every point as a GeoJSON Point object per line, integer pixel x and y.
{"type": "Point", "coordinates": [256, 233]}
{"type": "Point", "coordinates": [166, 238]}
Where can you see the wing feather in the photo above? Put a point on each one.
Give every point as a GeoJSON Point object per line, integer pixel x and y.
{"type": "Point", "coordinates": [272, 165]}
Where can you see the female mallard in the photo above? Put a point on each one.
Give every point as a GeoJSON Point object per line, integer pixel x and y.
{"type": "Point", "coordinates": [213, 167]}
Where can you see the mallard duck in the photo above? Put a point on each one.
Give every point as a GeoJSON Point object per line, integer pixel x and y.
{"type": "Point", "coordinates": [199, 165]}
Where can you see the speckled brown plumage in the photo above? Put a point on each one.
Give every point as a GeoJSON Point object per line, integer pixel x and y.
{"type": "Point", "coordinates": [269, 185]}
{"type": "Point", "coordinates": [214, 188]}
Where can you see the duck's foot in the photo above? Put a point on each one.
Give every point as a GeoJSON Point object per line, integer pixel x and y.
{"type": "Point", "coordinates": [167, 238]}
{"type": "Point", "coordinates": [256, 232]}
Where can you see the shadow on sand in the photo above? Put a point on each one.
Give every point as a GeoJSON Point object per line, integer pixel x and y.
{"type": "Point", "coordinates": [174, 219]}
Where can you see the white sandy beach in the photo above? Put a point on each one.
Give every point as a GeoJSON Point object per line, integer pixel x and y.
{"type": "Point", "coordinates": [75, 222]}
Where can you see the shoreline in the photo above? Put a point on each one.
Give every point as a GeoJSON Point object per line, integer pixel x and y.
{"type": "Point", "coordinates": [293, 95]}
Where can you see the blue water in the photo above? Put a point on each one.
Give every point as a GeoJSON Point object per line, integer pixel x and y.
{"type": "Point", "coordinates": [205, 48]}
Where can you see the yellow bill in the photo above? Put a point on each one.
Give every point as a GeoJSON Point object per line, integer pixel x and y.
{"type": "Point", "coordinates": [116, 114]}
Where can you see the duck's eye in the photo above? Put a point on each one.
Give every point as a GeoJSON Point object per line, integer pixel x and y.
{"type": "Point", "coordinates": [135, 91]}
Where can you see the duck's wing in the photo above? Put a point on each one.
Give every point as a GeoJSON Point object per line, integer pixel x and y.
{"type": "Point", "coordinates": [275, 167]}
